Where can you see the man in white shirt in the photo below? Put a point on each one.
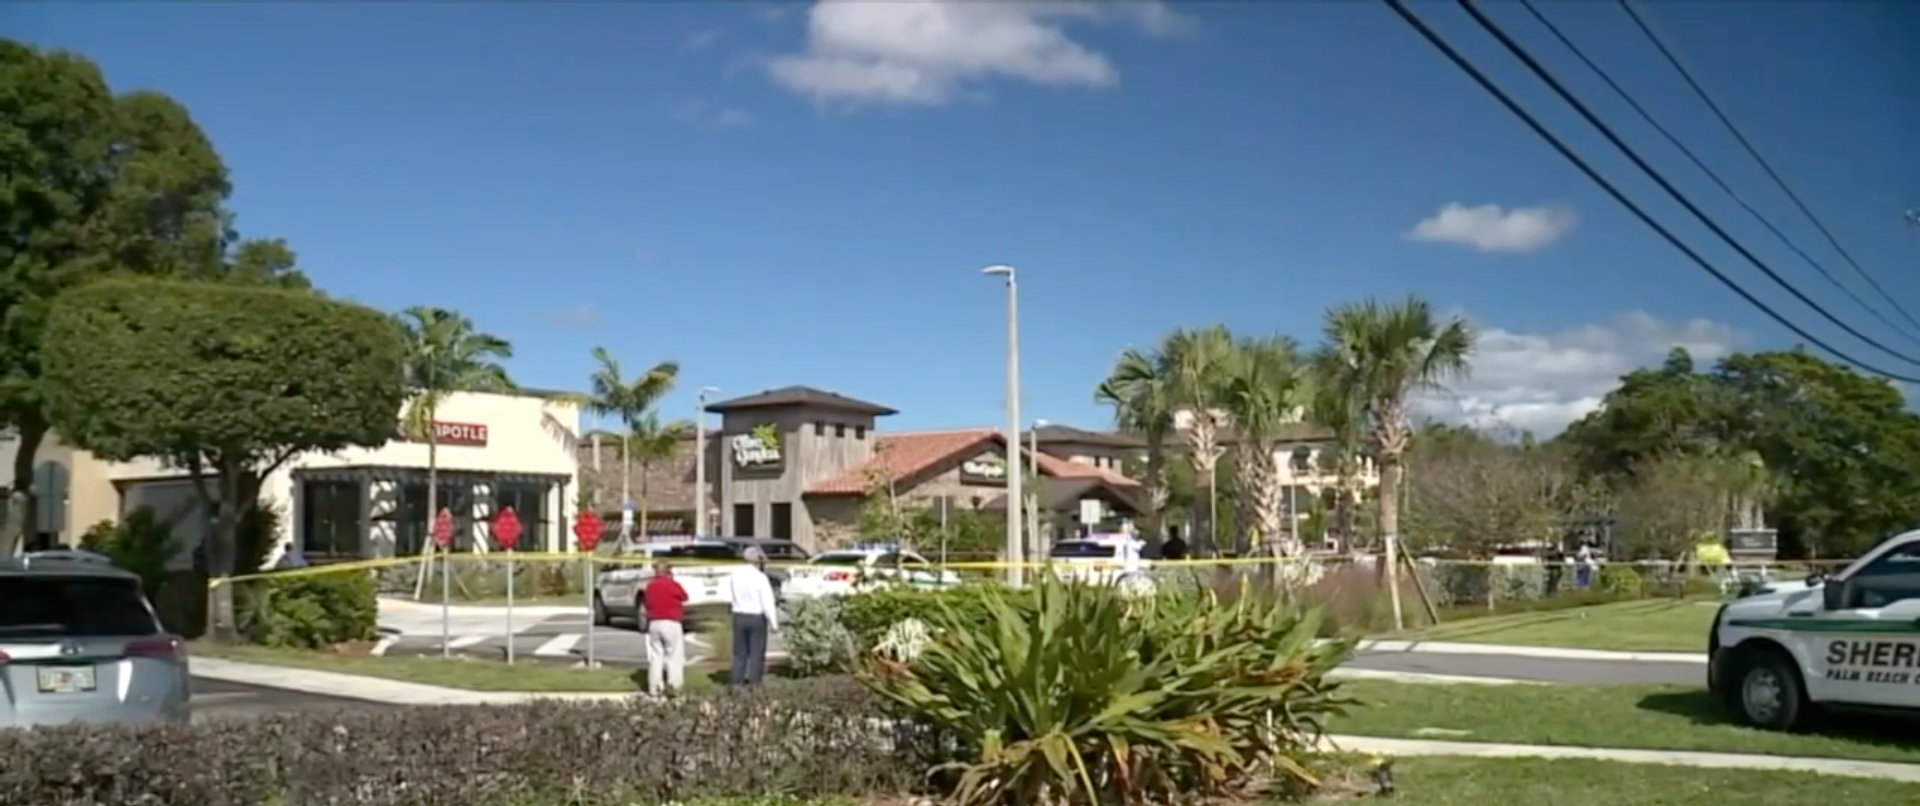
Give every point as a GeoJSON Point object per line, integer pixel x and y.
{"type": "Point", "coordinates": [755, 616]}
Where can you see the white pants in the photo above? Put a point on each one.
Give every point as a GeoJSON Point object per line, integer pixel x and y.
{"type": "Point", "coordinates": [666, 656]}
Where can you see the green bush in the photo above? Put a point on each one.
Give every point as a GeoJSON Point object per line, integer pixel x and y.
{"type": "Point", "coordinates": [816, 639]}
{"type": "Point", "coordinates": [802, 739]}
{"type": "Point", "coordinates": [140, 544]}
{"type": "Point", "coordinates": [1078, 694]}
{"type": "Point", "coordinates": [309, 611]}
{"type": "Point", "coordinates": [1622, 582]}
{"type": "Point", "coordinates": [868, 615]}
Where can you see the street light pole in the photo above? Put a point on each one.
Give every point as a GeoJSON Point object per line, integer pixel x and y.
{"type": "Point", "coordinates": [1016, 488]}
{"type": "Point", "coordinates": [1033, 455]}
{"type": "Point", "coordinates": [700, 463]}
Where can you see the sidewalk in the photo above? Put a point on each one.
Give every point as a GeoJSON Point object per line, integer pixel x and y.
{"type": "Point", "coordinates": [1521, 651]}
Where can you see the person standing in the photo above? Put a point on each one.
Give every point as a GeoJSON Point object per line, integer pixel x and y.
{"type": "Point", "coordinates": [756, 615]}
{"type": "Point", "coordinates": [666, 605]}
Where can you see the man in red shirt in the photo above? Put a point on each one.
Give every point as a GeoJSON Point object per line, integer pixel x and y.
{"type": "Point", "coordinates": [666, 605]}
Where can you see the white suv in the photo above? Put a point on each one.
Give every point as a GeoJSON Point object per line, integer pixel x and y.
{"type": "Point", "coordinates": [1848, 641]}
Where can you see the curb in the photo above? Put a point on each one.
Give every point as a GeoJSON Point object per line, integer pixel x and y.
{"type": "Point", "coordinates": [1517, 651]}
{"type": "Point", "coordinates": [372, 689]}
{"type": "Point", "coordinates": [1883, 770]}
{"type": "Point", "coordinates": [1428, 678]}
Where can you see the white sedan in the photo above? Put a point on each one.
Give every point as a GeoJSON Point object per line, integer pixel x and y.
{"type": "Point", "coordinates": [841, 572]}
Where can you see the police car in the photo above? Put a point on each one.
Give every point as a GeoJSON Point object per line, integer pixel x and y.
{"type": "Point", "coordinates": [840, 572]}
{"type": "Point", "coordinates": [1851, 640]}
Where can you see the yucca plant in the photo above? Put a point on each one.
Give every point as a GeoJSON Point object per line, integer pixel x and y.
{"type": "Point", "coordinates": [1074, 694]}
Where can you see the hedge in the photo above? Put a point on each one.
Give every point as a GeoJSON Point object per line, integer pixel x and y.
{"type": "Point", "coordinates": [812, 738]}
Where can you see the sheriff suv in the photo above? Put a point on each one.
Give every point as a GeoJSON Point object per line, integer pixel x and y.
{"type": "Point", "coordinates": [1851, 640]}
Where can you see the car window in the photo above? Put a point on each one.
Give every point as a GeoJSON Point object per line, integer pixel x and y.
{"type": "Point", "coordinates": [703, 552]}
{"type": "Point", "coordinates": [838, 559]}
{"type": "Point", "coordinates": [1890, 577]}
{"type": "Point", "coordinates": [1081, 549]}
{"type": "Point", "coordinates": [783, 551]}
{"type": "Point", "coordinates": [73, 606]}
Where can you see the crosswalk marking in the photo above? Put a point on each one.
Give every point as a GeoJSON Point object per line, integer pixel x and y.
{"type": "Point", "coordinates": [465, 641]}
{"type": "Point", "coordinates": [559, 645]}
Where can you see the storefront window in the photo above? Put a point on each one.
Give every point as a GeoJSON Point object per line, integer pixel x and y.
{"type": "Point", "coordinates": [330, 519]}
{"type": "Point", "coordinates": [412, 522]}
{"type": "Point", "coordinates": [529, 502]}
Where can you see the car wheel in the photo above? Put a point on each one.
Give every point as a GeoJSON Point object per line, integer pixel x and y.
{"type": "Point", "coordinates": [600, 617]}
{"type": "Point", "coordinates": [1764, 690]}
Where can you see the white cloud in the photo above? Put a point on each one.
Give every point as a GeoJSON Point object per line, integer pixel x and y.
{"type": "Point", "coordinates": [925, 52]}
{"type": "Point", "coordinates": [1542, 381]}
{"type": "Point", "coordinates": [1489, 228]}
{"type": "Point", "coordinates": [705, 114]}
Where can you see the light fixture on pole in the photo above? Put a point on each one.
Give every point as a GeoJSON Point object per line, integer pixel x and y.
{"type": "Point", "coordinates": [700, 462]}
{"type": "Point", "coordinates": [1016, 489]}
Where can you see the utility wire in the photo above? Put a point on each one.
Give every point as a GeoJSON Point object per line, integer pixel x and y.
{"type": "Point", "coordinates": [1566, 95]}
{"type": "Point", "coordinates": [1399, 7]}
{"type": "Point", "coordinates": [1717, 181]}
{"type": "Point", "coordinates": [1687, 75]}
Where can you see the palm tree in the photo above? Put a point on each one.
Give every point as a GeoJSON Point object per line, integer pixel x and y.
{"type": "Point", "coordinates": [446, 354]}
{"type": "Point", "coordinates": [632, 403]}
{"type": "Point", "coordinates": [1385, 353]}
{"type": "Point", "coordinates": [1140, 390]}
{"type": "Point", "coordinates": [647, 443]}
{"type": "Point", "coordinates": [1266, 388]}
{"type": "Point", "coordinates": [1196, 362]}
{"type": "Point", "coordinates": [1340, 408]}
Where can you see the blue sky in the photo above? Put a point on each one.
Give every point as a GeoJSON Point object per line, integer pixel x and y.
{"type": "Point", "coordinates": [799, 194]}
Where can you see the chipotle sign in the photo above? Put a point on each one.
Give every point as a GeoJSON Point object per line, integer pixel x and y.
{"type": "Point", "coordinates": [444, 433]}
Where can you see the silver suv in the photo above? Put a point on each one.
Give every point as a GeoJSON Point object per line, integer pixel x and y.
{"type": "Point", "coordinates": [79, 643]}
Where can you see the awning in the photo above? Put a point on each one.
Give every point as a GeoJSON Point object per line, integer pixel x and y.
{"type": "Point", "coordinates": [405, 474]}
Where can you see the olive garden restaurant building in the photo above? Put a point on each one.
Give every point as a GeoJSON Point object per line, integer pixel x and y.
{"type": "Point", "coordinates": [796, 463]}
{"type": "Point", "coordinates": [494, 451]}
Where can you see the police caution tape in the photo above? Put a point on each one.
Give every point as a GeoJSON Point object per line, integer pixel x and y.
{"type": "Point", "coordinates": [1891, 662]}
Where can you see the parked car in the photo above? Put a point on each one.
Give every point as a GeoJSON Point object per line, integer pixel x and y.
{"type": "Point", "coordinates": [840, 572]}
{"type": "Point", "coordinates": [79, 643]}
{"type": "Point", "coordinates": [701, 565]}
{"type": "Point", "coordinates": [1846, 642]}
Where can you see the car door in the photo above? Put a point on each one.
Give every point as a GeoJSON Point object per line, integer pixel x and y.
{"type": "Point", "coordinates": [620, 584]}
{"type": "Point", "coordinates": [1864, 641]}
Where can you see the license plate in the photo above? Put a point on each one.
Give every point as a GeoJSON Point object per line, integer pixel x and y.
{"type": "Point", "coordinates": [65, 679]}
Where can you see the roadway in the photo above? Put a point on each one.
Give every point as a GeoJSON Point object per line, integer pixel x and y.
{"type": "Point", "coordinates": [213, 699]}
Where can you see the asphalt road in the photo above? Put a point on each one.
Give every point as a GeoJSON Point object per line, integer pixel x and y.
{"type": "Point", "coordinates": [213, 699]}
{"type": "Point", "coordinates": [1546, 670]}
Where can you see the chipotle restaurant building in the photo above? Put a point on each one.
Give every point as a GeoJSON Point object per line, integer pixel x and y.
{"type": "Point", "coordinates": [494, 451]}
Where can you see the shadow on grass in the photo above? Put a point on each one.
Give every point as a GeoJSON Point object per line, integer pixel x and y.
{"type": "Point", "coordinates": [1863, 727]}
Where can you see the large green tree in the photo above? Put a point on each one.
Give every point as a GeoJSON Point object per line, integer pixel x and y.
{"type": "Point", "coordinates": [1268, 390]}
{"type": "Point", "coordinates": [228, 382]}
{"type": "Point", "coordinates": [1140, 390]}
{"type": "Point", "coordinates": [1841, 450]}
{"type": "Point", "coordinates": [94, 184]}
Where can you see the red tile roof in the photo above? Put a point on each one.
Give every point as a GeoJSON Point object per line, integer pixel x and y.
{"type": "Point", "coordinates": [904, 455]}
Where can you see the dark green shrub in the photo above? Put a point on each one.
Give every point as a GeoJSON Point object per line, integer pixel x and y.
{"type": "Point", "coordinates": [308, 610]}
{"type": "Point", "coordinates": [808, 739]}
{"type": "Point", "coordinates": [140, 544]}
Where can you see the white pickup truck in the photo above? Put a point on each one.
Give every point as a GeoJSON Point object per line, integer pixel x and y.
{"type": "Point", "coordinates": [1851, 640]}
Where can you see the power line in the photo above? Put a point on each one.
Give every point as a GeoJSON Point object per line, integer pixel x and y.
{"type": "Point", "coordinates": [1715, 177]}
{"type": "Point", "coordinates": [1541, 72]}
{"type": "Point", "coordinates": [1687, 75]}
{"type": "Point", "coordinates": [1399, 7]}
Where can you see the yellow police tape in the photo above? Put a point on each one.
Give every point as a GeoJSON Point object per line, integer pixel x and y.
{"type": "Point", "coordinates": [596, 559]}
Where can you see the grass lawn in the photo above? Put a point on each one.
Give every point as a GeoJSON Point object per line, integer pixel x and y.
{"type": "Point", "coordinates": [1653, 625]}
{"type": "Point", "coordinates": [468, 673]}
{"type": "Point", "coordinates": [1637, 717]}
{"type": "Point", "coordinates": [1477, 782]}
